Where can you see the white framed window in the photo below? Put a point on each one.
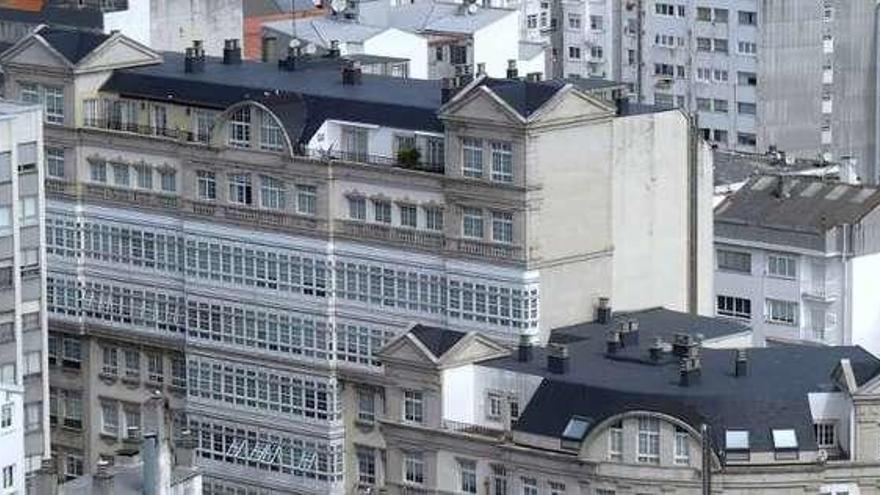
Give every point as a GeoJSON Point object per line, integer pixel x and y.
{"type": "Point", "coordinates": [203, 120]}
{"type": "Point", "coordinates": [51, 97]}
{"type": "Point", "coordinates": [682, 447]}
{"type": "Point", "coordinates": [472, 157]}
{"type": "Point", "coordinates": [467, 476]}
{"type": "Point", "coordinates": [366, 405]}
{"type": "Point", "coordinates": [826, 434]}
{"type": "Point", "coordinates": [748, 18]}
{"type": "Point", "coordinates": [649, 440]}
{"type": "Point", "coordinates": [366, 458]}
{"type": "Point", "coordinates": [780, 265]}
{"type": "Point", "coordinates": [502, 161]}
{"type": "Point", "coordinates": [5, 217]}
{"type": "Point", "coordinates": [240, 128]}
{"type": "Point", "coordinates": [207, 185]}
{"type": "Point", "coordinates": [71, 403]}
{"type": "Point", "coordinates": [54, 158]}
{"type": "Point", "coordinates": [502, 226]}
{"type": "Point", "coordinates": [8, 476]}
{"type": "Point", "coordinates": [6, 415]}
{"type": "Point", "coordinates": [240, 189]}
{"type": "Point", "coordinates": [306, 199]}
{"type": "Point", "coordinates": [434, 218]}
{"type": "Point", "coordinates": [355, 143]}
{"type": "Point", "coordinates": [110, 360]}
{"type": "Point", "coordinates": [615, 441]}
{"type": "Point", "coordinates": [33, 416]}
{"type": "Point", "coordinates": [271, 135]}
{"type": "Point", "coordinates": [782, 312]}
{"type": "Point", "coordinates": [413, 406]}
{"type": "Point", "coordinates": [155, 368]}
{"type": "Point", "coordinates": [529, 486]}
{"type": "Point", "coordinates": [132, 363]}
{"type": "Point", "coordinates": [132, 416]}
{"type": "Point", "coordinates": [413, 468]}
{"type": "Point", "coordinates": [33, 362]}
{"type": "Point", "coordinates": [73, 466]}
{"type": "Point", "coordinates": [110, 418]}
{"type": "Point", "coordinates": [272, 193]}
{"type": "Point", "coordinates": [556, 487]}
{"type": "Point", "coordinates": [382, 211]}
{"type": "Point", "coordinates": [98, 172]}
{"type": "Point", "coordinates": [159, 120]}
{"type": "Point", "coordinates": [144, 176]}
{"type": "Point", "coordinates": [737, 307]}
{"type": "Point", "coordinates": [357, 208]}
{"type": "Point", "coordinates": [532, 21]}
{"type": "Point", "coordinates": [734, 261]}
{"type": "Point", "coordinates": [472, 223]}
{"type": "Point", "coordinates": [574, 52]}
{"type": "Point", "coordinates": [71, 350]}
{"type": "Point", "coordinates": [409, 215]}
{"type": "Point", "coordinates": [168, 180]}
{"type": "Point", "coordinates": [27, 209]}
{"type": "Point", "coordinates": [596, 23]}
{"type": "Point", "coordinates": [747, 48]}
{"type": "Point", "coordinates": [30, 92]}
{"type": "Point", "coordinates": [574, 21]}
{"type": "Point", "coordinates": [120, 174]}
{"type": "Point", "coordinates": [494, 405]}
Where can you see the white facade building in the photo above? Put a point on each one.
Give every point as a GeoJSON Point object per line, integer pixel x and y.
{"type": "Point", "coordinates": [12, 453]}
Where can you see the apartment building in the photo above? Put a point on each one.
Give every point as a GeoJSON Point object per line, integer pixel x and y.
{"type": "Point", "coordinates": [796, 259]}
{"type": "Point", "coordinates": [23, 334]}
{"type": "Point", "coordinates": [12, 457]}
{"type": "Point", "coordinates": [235, 234]}
{"type": "Point", "coordinates": [632, 402]}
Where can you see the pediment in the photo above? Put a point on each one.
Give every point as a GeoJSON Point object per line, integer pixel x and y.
{"type": "Point", "coordinates": [482, 104]}
{"type": "Point", "coordinates": [405, 348]}
{"type": "Point", "coordinates": [572, 104]}
{"type": "Point", "coordinates": [34, 51]}
{"type": "Point", "coordinates": [474, 347]}
{"type": "Point", "coordinates": [118, 52]}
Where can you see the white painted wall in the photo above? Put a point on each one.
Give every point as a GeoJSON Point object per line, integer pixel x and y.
{"type": "Point", "coordinates": [174, 24]}
{"type": "Point", "coordinates": [534, 64]}
{"type": "Point", "coordinates": [134, 22]}
{"type": "Point", "coordinates": [396, 43]}
{"type": "Point", "coordinates": [835, 406]}
{"type": "Point", "coordinates": [497, 43]}
{"type": "Point", "coordinates": [466, 390]}
{"type": "Point", "coordinates": [12, 438]}
{"type": "Point", "coordinates": [865, 308]}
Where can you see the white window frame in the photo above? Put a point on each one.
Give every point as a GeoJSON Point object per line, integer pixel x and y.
{"type": "Point", "coordinates": [241, 189]}
{"type": "Point", "coordinates": [472, 157]}
{"type": "Point", "coordinates": [733, 306]}
{"type": "Point", "coordinates": [434, 218]}
{"type": "Point", "coordinates": [502, 227]}
{"type": "Point", "coordinates": [413, 468]}
{"type": "Point", "coordinates": [467, 476]}
{"type": "Point", "coordinates": [271, 134]}
{"type": "Point", "coordinates": [648, 440]}
{"type": "Point", "coordinates": [414, 406]}
{"type": "Point", "coordinates": [357, 208]}
{"type": "Point", "coordinates": [306, 199]}
{"type": "Point", "coordinates": [409, 215]}
{"type": "Point", "coordinates": [272, 192]}
{"type": "Point", "coordinates": [239, 123]}
{"type": "Point", "coordinates": [682, 448]}
{"type": "Point", "coordinates": [207, 181]}
{"type": "Point", "coordinates": [615, 442]}
{"type": "Point", "coordinates": [782, 266]}
{"type": "Point", "coordinates": [502, 161]}
{"type": "Point", "coordinates": [472, 223]}
{"type": "Point", "coordinates": [382, 211]}
{"type": "Point", "coordinates": [782, 312]}
{"type": "Point", "coordinates": [54, 158]}
{"type": "Point", "coordinates": [110, 418]}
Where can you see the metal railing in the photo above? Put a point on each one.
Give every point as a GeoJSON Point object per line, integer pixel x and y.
{"type": "Point", "coordinates": [471, 429]}
{"type": "Point", "coordinates": [145, 130]}
{"type": "Point", "coordinates": [371, 159]}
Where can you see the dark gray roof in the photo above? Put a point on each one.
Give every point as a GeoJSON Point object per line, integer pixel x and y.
{"type": "Point", "coordinates": [86, 17]}
{"type": "Point", "coordinates": [524, 96]}
{"type": "Point", "coordinates": [381, 100]}
{"type": "Point", "coordinates": [774, 393]}
{"type": "Point", "coordinates": [731, 167]}
{"type": "Point", "coordinates": [437, 340]}
{"type": "Point", "coordinates": [777, 206]}
{"type": "Point", "coordinates": [73, 44]}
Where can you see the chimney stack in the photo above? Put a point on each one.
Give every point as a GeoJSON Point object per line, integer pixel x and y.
{"type": "Point", "coordinates": [524, 351]}
{"type": "Point", "coordinates": [231, 52]}
{"type": "Point", "coordinates": [629, 333]}
{"type": "Point", "coordinates": [512, 73]}
{"type": "Point", "coordinates": [656, 350]}
{"type": "Point", "coordinates": [533, 77]}
{"type": "Point", "coordinates": [741, 364]}
{"type": "Point", "coordinates": [185, 449]}
{"type": "Point", "coordinates": [155, 446]}
{"type": "Point", "coordinates": [613, 341]}
{"type": "Point", "coordinates": [102, 481]}
{"type": "Point", "coordinates": [289, 63]}
{"type": "Point", "coordinates": [194, 58]}
{"type": "Point", "coordinates": [690, 364]}
{"type": "Point", "coordinates": [334, 49]}
{"type": "Point", "coordinates": [351, 74]}
{"type": "Point", "coordinates": [603, 312]}
{"type": "Point", "coordinates": [557, 359]}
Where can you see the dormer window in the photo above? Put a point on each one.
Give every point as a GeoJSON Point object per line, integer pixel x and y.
{"type": "Point", "coordinates": [785, 444]}
{"type": "Point", "coordinates": [240, 128]}
{"type": "Point", "coordinates": [574, 432]}
{"type": "Point", "coordinates": [271, 137]}
{"type": "Point", "coordinates": [736, 445]}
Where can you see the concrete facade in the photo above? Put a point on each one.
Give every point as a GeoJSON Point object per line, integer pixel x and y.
{"type": "Point", "coordinates": [12, 456]}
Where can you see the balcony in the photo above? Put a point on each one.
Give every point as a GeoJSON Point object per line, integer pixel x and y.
{"type": "Point", "coordinates": [144, 130]}
{"type": "Point", "coordinates": [409, 237]}
{"type": "Point", "coordinates": [251, 216]}
{"type": "Point", "coordinates": [472, 429]}
{"type": "Point", "coordinates": [818, 292]}
{"type": "Point", "coordinates": [485, 249]}
{"type": "Point", "coordinates": [371, 159]}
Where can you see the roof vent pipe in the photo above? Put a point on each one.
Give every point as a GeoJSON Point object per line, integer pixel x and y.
{"type": "Point", "coordinates": [334, 49]}
{"type": "Point", "coordinates": [231, 52]}
{"type": "Point", "coordinates": [351, 74]}
{"type": "Point", "coordinates": [194, 58]}
{"type": "Point", "coordinates": [512, 73]}
{"type": "Point", "coordinates": [524, 351]}
{"type": "Point", "coordinates": [741, 365]}
{"type": "Point", "coordinates": [557, 359]}
{"type": "Point", "coordinates": [613, 342]}
{"type": "Point", "coordinates": [656, 350]}
{"type": "Point", "coordinates": [603, 312]}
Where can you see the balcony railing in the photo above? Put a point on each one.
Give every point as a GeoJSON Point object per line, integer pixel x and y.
{"type": "Point", "coordinates": [485, 249]}
{"type": "Point", "coordinates": [471, 429]}
{"type": "Point", "coordinates": [145, 130]}
{"type": "Point", "coordinates": [371, 159]}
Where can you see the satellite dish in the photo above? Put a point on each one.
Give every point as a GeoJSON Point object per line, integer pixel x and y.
{"type": "Point", "coordinates": [338, 6]}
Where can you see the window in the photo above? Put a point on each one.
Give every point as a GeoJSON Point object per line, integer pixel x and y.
{"type": "Point", "coordinates": [746, 108]}
{"type": "Point", "coordinates": [574, 21]}
{"type": "Point", "coordinates": [144, 174]}
{"type": "Point", "coordinates": [499, 480]}
{"type": "Point", "coordinates": [494, 406]}
{"type": "Point", "coordinates": [737, 307]}
{"type": "Point", "coordinates": [467, 472]}
{"type": "Point", "coordinates": [306, 199]}
{"type": "Point", "coordinates": [54, 162]}
{"type": "Point", "coordinates": [366, 405]}
{"type": "Point", "coordinates": [271, 136]}
{"type": "Point", "coordinates": [30, 92]}
{"type": "Point", "coordinates": [271, 193]}
{"type": "Point", "coordinates": [747, 18]}
{"type": "Point", "coordinates": [472, 223]}
{"type": "Point", "coordinates": [132, 364]}
{"type": "Point", "coordinates": [240, 189]}
{"type": "Point", "coordinates": [433, 218]}
{"type": "Point", "coordinates": [98, 171]}
{"type": "Point", "coordinates": [6, 415]}
{"type": "Point", "coordinates": [596, 22]}
{"type": "Point", "coordinates": [413, 406]}
{"type": "Point", "coordinates": [357, 208]}
{"type": "Point", "coordinates": [132, 415]}
{"type": "Point", "coordinates": [746, 78]}
{"type": "Point", "coordinates": [155, 368]}
{"type": "Point", "coordinates": [596, 51]}
{"type": "Point", "coordinates": [382, 211]}
{"type": "Point", "coordinates": [159, 120]}
{"type": "Point", "coordinates": [110, 364]}
{"type": "Point", "coordinates": [556, 488]}
{"type": "Point", "coordinates": [682, 446]}
{"type": "Point", "coordinates": [73, 466]}
{"type": "Point", "coordinates": [502, 226]}
{"type": "Point", "coordinates": [109, 418]}
{"type": "Point", "coordinates": [719, 136]}
{"type": "Point", "coordinates": [366, 458]}
{"type": "Point", "coordinates": [8, 476]}
{"type": "Point", "coordinates": [721, 16]}
{"type": "Point", "coordinates": [826, 434]}
{"type": "Point", "coordinates": [33, 416]}
{"type": "Point", "coordinates": [668, 9]}
{"type": "Point", "coordinates": [746, 139]}
{"type": "Point", "coordinates": [615, 441]}
{"type": "Point", "coordinates": [531, 23]}
{"type": "Point", "coordinates": [720, 75]}
{"type": "Point", "coordinates": [782, 312]}
{"type": "Point", "coordinates": [408, 216]}
{"type": "Point", "coordinates": [720, 46]}
{"type": "Point", "coordinates": [71, 403]}
{"type": "Point", "coordinates": [355, 143]}
{"type": "Point", "coordinates": [785, 444]}
{"type": "Point", "coordinates": [5, 217]}
{"type": "Point", "coordinates": [704, 14]}
{"type": "Point", "coordinates": [240, 128]}
{"type": "Point", "coordinates": [72, 353]}
{"type": "Point", "coordinates": [502, 162]}
{"type": "Point", "coordinates": [52, 351]}
{"type": "Point", "coordinates": [433, 152]}
{"type": "Point", "coordinates": [574, 52]}
{"type": "Point", "coordinates": [720, 105]}
{"type": "Point", "coordinates": [207, 185]}
{"type": "Point", "coordinates": [747, 48]}
{"type": "Point", "coordinates": [414, 468]}
{"type": "Point", "coordinates": [704, 44]}
{"type": "Point", "coordinates": [649, 440]}
{"type": "Point", "coordinates": [783, 266]}
{"type": "Point", "coordinates": [120, 174]}
{"type": "Point", "coordinates": [27, 209]}
{"type": "Point", "coordinates": [734, 261]}
{"type": "Point", "coordinates": [529, 486]}
{"type": "Point", "coordinates": [32, 362]}
{"type": "Point", "coordinates": [203, 120]}
{"type": "Point", "coordinates": [168, 180]}
{"type": "Point", "coordinates": [51, 97]}
{"type": "Point", "coordinates": [472, 157]}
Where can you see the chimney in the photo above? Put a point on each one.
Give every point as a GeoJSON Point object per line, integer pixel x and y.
{"type": "Point", "coordinates": [613, 341]}
{"type": "Point", "coordinates": [155, 446]}
{"type": "Point", "coordinates": [690, 364]}
{"type": "Point", "coordinates": [524, 351]}
{"type": "Point", "coordinates": [629, 332]}
{"type": "Point", "coordinates": [289, 63]}
{"type": "Point", "coordinates": [231, 52]}
{"type": "Point", "coordinates": [603, 312]}
{"type": "Point", "coordinates": [533, 77]}
{"type": "Point", "coordinates": [447, 89]}
{"type": "Point", "coordinates": [557, 359]}
{"type": "Point", "coordinates": [681, 344]}
{"type": "Point", "coordinates": [511, 69]}
{"type": "Point", "coordinates": [741, 364]}
{"type": "Point", "coordinates": [334, 49]}
{"type": "Point", "coordinates": [102, 481]}
{"type": "Point", "coordinates": [194, 58]}
{"type": "Point", "coordinates": [185, 449]}
{"type": "Point", "coordinates": [656, 350]}
{"type": "Point", "coordinates": [351, 74]}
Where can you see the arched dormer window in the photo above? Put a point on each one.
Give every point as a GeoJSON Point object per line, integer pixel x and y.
{"type": "Point", "coordinates": [251, 125]}
{"type": "Point", "coordinates": [239, 127]}
{"type": "Point", "coordinates": [271, 135]}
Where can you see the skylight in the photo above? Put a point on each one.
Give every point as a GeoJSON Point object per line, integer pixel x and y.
{"type": "Point", "coordinates": [576, 429]}
{"type": "Point", "coordinates": [784, 439]}
{"type": "Point", "coordinates": [736, 440]}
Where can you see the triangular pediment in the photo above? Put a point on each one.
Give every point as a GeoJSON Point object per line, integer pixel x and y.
{"type": "Point", "coordinates": [474, 347]}
{"type": "Point", "coordinates": [118, 52]}
{"type": "Point", "coordinates": [571, 104]}
{"type": "Point", "coordinates": [482, 104]}
{"type": "Point", "coordinates": [34, 51]}
{"type": "Point", "coordinates": [405, 348]}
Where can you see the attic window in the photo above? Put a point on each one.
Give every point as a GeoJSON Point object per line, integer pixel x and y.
{"type": "Point", "coordinates": [785, 444]}
{"type": "Point", "coordinates": [736, 445]}
{"type": "Point", "coordinates": [574, 432]}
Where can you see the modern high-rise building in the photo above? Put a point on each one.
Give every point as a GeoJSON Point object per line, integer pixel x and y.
{"type": "Point", "coordinates": [236, 234]}
{"type": "Point", "coordinates": [23, 334]}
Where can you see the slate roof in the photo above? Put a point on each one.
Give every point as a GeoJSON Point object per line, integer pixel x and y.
{"type": "Point", "coordinates": [774, 393]}
{"type": "Point", "coordinates": [792, 210]}
{"type": "Point", "coordinates": [437, 340]}
{"type": "Point", "coordinates": [430, 16]}
{"type": "Point", "coordinates": [524, 96]}
{"type": "Point", "coordinates": [732, 167]}
{"type": "Point", "coordinates": [73, 44]}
